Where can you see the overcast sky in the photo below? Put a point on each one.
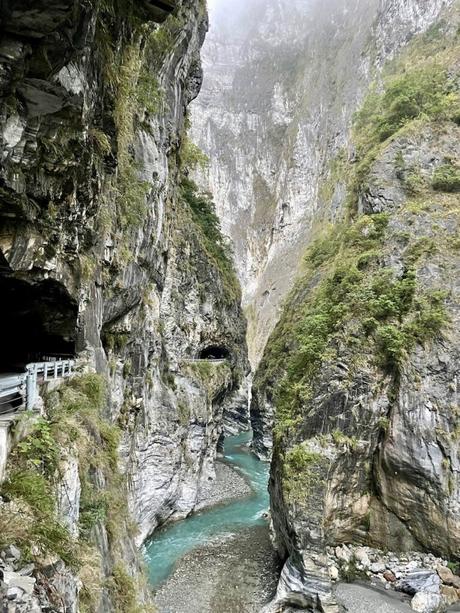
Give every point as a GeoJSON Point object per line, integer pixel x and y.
{"type": "Point", "coordinates": [227, 13]}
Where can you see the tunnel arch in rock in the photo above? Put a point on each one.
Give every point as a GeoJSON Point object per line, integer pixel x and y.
{"type": "Point", "coordinates": [38, 319]}
{"type": "Point", "coordinates": [214, 352]}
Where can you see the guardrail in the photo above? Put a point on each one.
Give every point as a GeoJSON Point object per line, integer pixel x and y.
{"type": "Point", "coordinates": [19, 389]}
{"type": "Point", "coordinates": [213, 361]}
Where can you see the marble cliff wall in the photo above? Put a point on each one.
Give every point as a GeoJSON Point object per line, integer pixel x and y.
{"type": "Point", "coordinates": [352, 223]}
{"type": "Point", "coordinates": [103, 254]}
{"type": "Point", "coordinates": [282, 81]}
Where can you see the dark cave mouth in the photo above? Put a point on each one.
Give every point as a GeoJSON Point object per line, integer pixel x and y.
{"type": "Point", "coordinates": [214, 352]}
{"type": "Point", "coordinates": [39, 321]}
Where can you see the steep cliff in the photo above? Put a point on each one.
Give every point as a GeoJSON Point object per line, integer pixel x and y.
{"type": "Point", "coordinates": [108, 252]}
{"type": "Point", "coordinates": [282, 81]}
{"type": "Point", "coordinates": [360, 371]}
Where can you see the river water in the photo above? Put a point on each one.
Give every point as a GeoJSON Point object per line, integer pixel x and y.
{"type": "Point", "coordinates": [176, 540]}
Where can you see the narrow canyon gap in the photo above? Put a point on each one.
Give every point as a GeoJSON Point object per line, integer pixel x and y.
{"type": "Point", "coordinates": [229, 254]}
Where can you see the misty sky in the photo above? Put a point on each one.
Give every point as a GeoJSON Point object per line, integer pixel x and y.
{"type": "Point", "coordinates": [228, 13]}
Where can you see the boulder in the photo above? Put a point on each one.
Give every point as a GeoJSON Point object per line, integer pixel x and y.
{"type": "Point", "coordinates": [11, 552]}
{"type": "Point", "coordinates": [378, 567]}
{"type": "Point", "coordinates": [333, 573]}
{"type": "Point", "coordinates": [420, 581]}
{"type": "Point", "coordinates": [447, 576]}
{"type": "Point", "coordinates": [449, 594]}
{"type": "Point", "coordinates": [445, 573]}
{"type": "Point", "coordinates": [343, 553]}
{"type": "Point", "coordinates": [426, 602]}
{"type": "Point", "coordinates": [15, 580]}
{"type": "Point", "coordinates": [389, 576]}
{"type": "Point", "coordinates": [362, 557]}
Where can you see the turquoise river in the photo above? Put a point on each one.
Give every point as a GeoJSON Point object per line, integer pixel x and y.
{"type": "Point", "coordinates": [177, 539]}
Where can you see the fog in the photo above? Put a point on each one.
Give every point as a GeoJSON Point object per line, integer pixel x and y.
{"type": "Point", "coordinates": [229, 14]}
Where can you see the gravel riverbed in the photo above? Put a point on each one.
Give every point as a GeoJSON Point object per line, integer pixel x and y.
{"type": "Point", "coordinates": [228, 485]}
{"type": "Point", "coordinates": [232, 574]}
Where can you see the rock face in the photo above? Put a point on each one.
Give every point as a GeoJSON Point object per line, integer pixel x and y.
{"type": "Point", "coordinates": [282, 81]}
{"type": "Point", "coordinates": [104, 258]}
{"type": "Point", "coordinates": [358, 378]}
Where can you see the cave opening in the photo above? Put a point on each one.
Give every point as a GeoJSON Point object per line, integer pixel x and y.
{"type": "Point", "coordinates": [214, 352]}
{"type": "Point", "coordinates": [38, 319]}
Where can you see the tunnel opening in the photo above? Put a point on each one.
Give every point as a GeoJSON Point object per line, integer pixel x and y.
{"type": "Point", "coordinates": [38, 321]}
{"type": "Point", "coordinates": [214, 352]}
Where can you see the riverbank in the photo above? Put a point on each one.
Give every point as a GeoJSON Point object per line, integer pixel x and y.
{"type": "Point", "coordinates": [239, 500]}
{"type": "Point", "coordinates": [236, 573]}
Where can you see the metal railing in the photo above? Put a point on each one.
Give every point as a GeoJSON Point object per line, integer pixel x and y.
{"type": "Point", "coordinates": [17, 390]}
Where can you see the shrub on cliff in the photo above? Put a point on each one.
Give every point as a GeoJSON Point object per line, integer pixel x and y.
{"type": "Point", "coordinates": [216, 245]}
{"type": "Point", "coordinates": [446, 178]}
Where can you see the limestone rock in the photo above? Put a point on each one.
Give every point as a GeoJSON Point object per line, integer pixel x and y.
{"type": "Point", "coordinates": [378, 567]}
{"type": "Point", "coordinates": [449, 594]}
{"type": "Point", "coordinates": [129, 287]}
{"type": "Point", "coordinates": [426, 602]}
{"type": "Point", "coordinates": [448, 577]}
{"type": "Point", "coordinates": [378, 459]}
{"type": "Point", "coordinates": [420, 581]}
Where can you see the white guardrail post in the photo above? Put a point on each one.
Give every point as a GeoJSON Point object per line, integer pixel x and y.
{"type": "Point", "coordinates": [31, 386]}
{"type": "Point", "coordinates": [58, 369]}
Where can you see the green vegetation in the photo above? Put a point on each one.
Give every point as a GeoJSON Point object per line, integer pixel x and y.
{"type": "Point", "coordinates": [131, 47]}
{"type": "Point", "coordinates": [123, 589]}
{"type": "Point", "coordinates": [34, 473]}
{"type": "Point", "coordinates": [346, 296]}
{"type": "Point", "coordinates": [213, 377]}
{"type": "Point", "coordinates": [132, 192]}
{"type": "Point", "coordinates": [212, 240]}
{"type": "Point", "coordinates": [356, 301]}
{"type": "Point", "coordinates": [454, 567]}
{"type": "Point", "coordinates": [420, 87]}
{"type": "Point", "coordinates": [420, 92]}
{"type": "Point", "coordinates": [303, 471]}
{"type": "Point", "coordinates": [30, 486]}
{"type": "Point", "coordinates": [191, 155]}
{"type": "Point", "coordinates": [446, 178]}
{"type": "Point", "coordinates": [75, 427]}
{"type": "Point", "coordinates": [342, 440]}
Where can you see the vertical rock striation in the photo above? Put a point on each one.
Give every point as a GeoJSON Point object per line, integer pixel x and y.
{"type": "Point", "coordinates": [364, 431]}
{"type": "Point", "coordinates": [358, 377]}
{"type": "Point", "coordinates": [282, 81]}
{"type": "Point", "coordinates": [105, 258]}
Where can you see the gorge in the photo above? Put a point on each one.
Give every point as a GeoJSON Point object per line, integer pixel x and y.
{"type": "Point", "coordinates": [222, 225]}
